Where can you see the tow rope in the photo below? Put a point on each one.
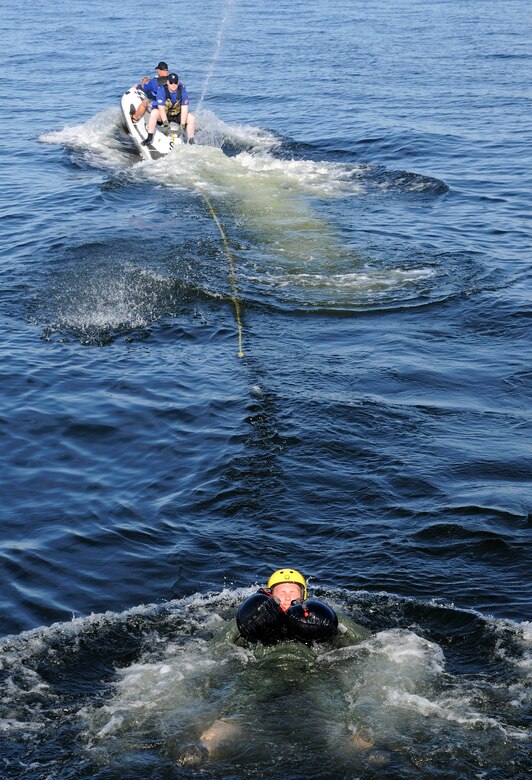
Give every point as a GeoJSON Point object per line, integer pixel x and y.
{"type": "Point", "coordinates": [232, 276]}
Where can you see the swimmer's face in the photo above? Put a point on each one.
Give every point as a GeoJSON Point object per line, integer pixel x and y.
{"type": "Point", "coordinates": [287, 592]}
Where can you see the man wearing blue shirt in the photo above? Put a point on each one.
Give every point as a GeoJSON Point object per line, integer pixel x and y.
{"type": "Point", "coordinates": [150, 87]}
{"type": "Point", "coordinates": [171, 105]}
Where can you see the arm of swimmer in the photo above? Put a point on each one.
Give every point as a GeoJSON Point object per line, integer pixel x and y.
{"type": "Point", "coordinates": [349, 632]}
{"type": "Point", "coordinates": [229, 633]}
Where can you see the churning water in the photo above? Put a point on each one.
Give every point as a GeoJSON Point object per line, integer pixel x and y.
{"type": "Point", "coordinates": [366, 164]}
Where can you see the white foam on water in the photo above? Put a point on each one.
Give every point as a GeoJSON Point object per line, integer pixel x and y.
{"type": "Point", "coordinates": [171, 691]}
{"type": "Point", "coordinates": [213, 131]}
{"type": "Point", "coordinates": [110, 297]}
{"type": "Point", "coordinates": [205, 163]}
{"type": "Point", "coordinates": [367, 279]}
{"type": "Point", "coordinates": [456, 709]}
{"type": "Point", "coordinates": [10, 724]}
{"type": "Point", "coordinates": [406, 656]}
{"type": "Point", "coordinates": [95, 139]}
{"type": "Point", "coordinates": [401, 680]}
{"type": "Point", "coordinates": [152, 693]}
{"type": "Point", "coordinates": [257, 176]}
{"type": "Point", "coordinates": [396, 686]}
{"type": "Point", "coordinates": [522, 635]}
{"type": "Point", "coordinates": [112, 312]}
{"type": "Point", "coordinates": [26, 700]}
{"type": "Point", "coordinates": [324, 179]}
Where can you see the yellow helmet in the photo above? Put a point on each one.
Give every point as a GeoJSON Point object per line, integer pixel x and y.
{"type": "Point", "coordinates": [288, 575]}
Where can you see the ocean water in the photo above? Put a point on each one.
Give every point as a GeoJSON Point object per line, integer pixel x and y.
{"type": "Point", "coordinates": [357, 211]}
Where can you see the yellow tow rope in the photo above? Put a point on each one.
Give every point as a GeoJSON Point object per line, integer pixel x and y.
{"type": "Point", "coordinates": [232, 275]}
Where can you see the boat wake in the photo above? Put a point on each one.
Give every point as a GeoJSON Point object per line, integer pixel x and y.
{"type": "Point", "coordinates": [280, 212]}
{"type": "Point", "coordinates": [117, 695]}
{"type": "Point", "coordinates": [228, 155]}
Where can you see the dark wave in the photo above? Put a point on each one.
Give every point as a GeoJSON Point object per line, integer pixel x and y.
{"type": "Point", "coordinates": [406, 182]}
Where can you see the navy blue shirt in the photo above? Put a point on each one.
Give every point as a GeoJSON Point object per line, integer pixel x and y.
{"type": "Point", "coordinates": [151, 87]}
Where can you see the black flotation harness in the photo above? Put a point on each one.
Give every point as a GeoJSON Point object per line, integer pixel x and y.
{"type": "Point", "coordinates": [173, 110]}
{"type": "Point", "coordinates": [260, 618]}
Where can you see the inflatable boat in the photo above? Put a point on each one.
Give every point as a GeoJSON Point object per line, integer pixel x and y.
{"type": "Point", "coordinates": [164, 139]}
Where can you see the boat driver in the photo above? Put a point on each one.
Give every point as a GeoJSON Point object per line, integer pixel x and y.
{"type": "Point", "coordinates": [171, 105]}
{"type": "Point", "coordinates": [149, 87]}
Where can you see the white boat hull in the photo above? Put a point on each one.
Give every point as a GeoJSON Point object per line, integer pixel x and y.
{"type": "Point", "coordinates": [162, 143]}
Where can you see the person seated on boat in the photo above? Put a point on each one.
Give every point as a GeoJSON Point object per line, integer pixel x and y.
{"type": "Point", "coordinates": [282, 611]}
{"type": "Point", "coordinates": [171, 105]}
{"type": "Point", "coordinates": [149, 87]}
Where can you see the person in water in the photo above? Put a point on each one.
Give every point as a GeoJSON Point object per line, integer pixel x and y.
{"type": "Point", "coordinates": [171, 105]}
{"type": "Point", "coordinates": [278, 613]}
{"type": "Point", "coordinates": [281, 611]}
{"type": "Point", "coordinates": [150, 88]}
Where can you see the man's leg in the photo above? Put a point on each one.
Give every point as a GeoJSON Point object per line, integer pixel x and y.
{"type": "Point", "coordinates": [190, 126]}
{"type": "Point", "coordinates": [141, 110]}
{"type": "Point", "coordinates": [154, 118]}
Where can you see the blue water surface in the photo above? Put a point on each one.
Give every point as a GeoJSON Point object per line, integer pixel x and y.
{"type": "Point", "coordinates": [369, 168]}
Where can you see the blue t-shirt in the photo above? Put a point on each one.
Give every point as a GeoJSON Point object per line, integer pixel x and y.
{"type": "Point", "coordinates": [174, 96]}
{"type": "Point", "coordinates": [151, 87]}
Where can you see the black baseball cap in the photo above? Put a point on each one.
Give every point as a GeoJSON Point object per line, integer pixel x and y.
{"type": "Point", "coordinates": [162, 66]}
{"type": "Point", "coordinates": [173, 78]}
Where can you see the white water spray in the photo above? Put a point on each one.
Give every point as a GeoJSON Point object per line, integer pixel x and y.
{"type": "Point", "coordinates": [227, 11]}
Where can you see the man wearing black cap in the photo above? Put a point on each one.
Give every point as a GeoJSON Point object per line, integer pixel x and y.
{"type": "Point", "coordinates": [149, 87]}
{"type": "Point", "coordinates": [172, 105]}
